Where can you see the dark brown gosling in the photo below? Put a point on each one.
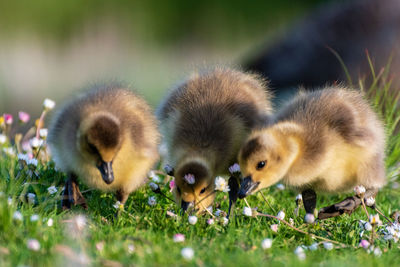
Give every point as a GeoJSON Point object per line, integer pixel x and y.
{"type": "Point", "coordinates": [204, 122]}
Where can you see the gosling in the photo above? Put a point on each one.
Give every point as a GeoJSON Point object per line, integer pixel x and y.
{"type": "Point", "coordinates": [107, 137]}
{"type": "Point", "coordinates": [327, 141]}
{"type": "Point", "coordinates": [204, 122]}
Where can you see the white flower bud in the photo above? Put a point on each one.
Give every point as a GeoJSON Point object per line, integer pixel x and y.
{"type": "Point", "coordinates": [367, 226]}
{"type": "Point", "coordinates": [281, 215]}
{"type": "Point", "coordinates": [131, 248]}
{"type": "Point", "coordinates": [359, 190]}
{"type": "Point", "coordinates": [79, 222]}
{"type": "Point", "coordinates": [247, 211]}
{"type": "Point", "coordinates": [328, 245]}
{"type": "Point", "coordinates": [3, 139]}
{"type": "Point", "coordinates": [43, 133]}
{"type": "Point", "coordinates": [370, 201]}
{"type": "Point", "coordinates": [50, 222]}
{"type": "Point", "coordinates": [52, 190]}
{"type": "Point", "coordinates": [154, 176]}
{"type": "Point", "coordinates": [33, 162]}
{"type": "Point", "coordinates": [309, 218]}
{"type": "Point", "coordinates": [33, 244]}
{"type": "Point", "coordinates": [34, 218]}
{"type": "Point", "coordinates": [187, 253]}
{"type": "Point", "coordinates": [152, 201]}
{"type": "Point", "coordinates": [313, 247]}
{"type": "Point", "coordinates": [48, 104]}
{"type": "Point", "coordinates": [218, 212]}
{"type": "Point", "coordinates": [364, 244]}
{"type": "Point", "coordinates": [153, 186]}
{"type": "Point", "coordinates": [299, 251]}
{"type": "Point", "coordinates": [18, 216]}
{"type": "Point", "coordinates": [274, 227]}
{"type": "Point", "coordinates": [9, 151]}
{"type": "Point", "coordinates": [280, 187]}
{"type": "Point", "coordinates": [31, 198]}
{"type": "Point", "coordinates": [178, 238]}
{"type": "Point", "coordinates": [192, 220]}
{"type": "Point", "coordinates": [266, 243]}
{"type": "Point", "coordinates": [36, 142]}
{"type": "Point", "coordinates": [377, 252]}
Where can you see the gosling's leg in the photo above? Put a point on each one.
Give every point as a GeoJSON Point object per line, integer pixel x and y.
{"type": "Point", "coordinates": [348, 205]}
{"type": "Point", "coordinates": [65, 201]}
{"type": "Point", "coordinates": [233, 193]}
{"type": "Point", "coordinates": [122, 197]}
{"type": "Point", "coordinates": [72, 194]}
{"type": "Point", "coordinates": [396, 216]}
{"type": "Point", "coordinates": [298, 204]}
{"type": "Point", "coordinates": [309, 200]}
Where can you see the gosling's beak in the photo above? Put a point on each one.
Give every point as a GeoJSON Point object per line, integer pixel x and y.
{"type": "Point", "coordinates": [247, 187]}
{"type": "Point", "coordinates": [184, 205]}
{"type": "Point", "coordinates": [106, 171]}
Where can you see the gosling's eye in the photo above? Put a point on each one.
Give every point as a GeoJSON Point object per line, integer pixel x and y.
{"type": "Point", "coordinates": [203, 190]}
{"type": "Point", "coordinates": [261, 165]}
{"type": "Point", "coordinates": [93, 148]}
{"type": "Point", "coordinates": [179, 190]}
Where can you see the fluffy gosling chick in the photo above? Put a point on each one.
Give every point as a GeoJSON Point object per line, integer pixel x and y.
{"type": "Point", "coordinates": [108, 138]}
{"type": "Point", "coordinates": [204, 122]}
{"type": "Point", "coordinates": [326, 141]}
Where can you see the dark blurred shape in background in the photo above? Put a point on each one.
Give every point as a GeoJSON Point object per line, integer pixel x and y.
{"type": "Point", "coordinates": [52, 48]}
{"type": "Point", "coordinates": [302, 56]}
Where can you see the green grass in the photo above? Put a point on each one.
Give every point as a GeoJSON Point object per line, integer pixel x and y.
{"type": "Point", "coordinates": [150, 230]}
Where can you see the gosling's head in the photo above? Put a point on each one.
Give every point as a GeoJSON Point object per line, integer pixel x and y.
{"type": "Point", "coordinates": [264, 160]}
{"type": "Point", "coordinates": [194, 185]}
{"type": "Point", "coordinates": [99, 140]}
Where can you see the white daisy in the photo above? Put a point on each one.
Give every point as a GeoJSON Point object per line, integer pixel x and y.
{"type": "Point", "coordinates": [221, 184]}
{"type": "Point", "coordinates": [48, 104]}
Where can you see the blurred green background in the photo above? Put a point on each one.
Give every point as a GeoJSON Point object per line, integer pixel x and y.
{"type": "Point", "coordinates": [53, 48]}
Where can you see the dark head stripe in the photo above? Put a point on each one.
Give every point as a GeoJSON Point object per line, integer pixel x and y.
{"type": "Point", "coordinates": [250, 147]}
{"type": "Point", "coordinates": [105, 132]}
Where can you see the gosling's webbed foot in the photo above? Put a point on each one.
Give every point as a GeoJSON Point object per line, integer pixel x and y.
{"type": "Point", "coordinates": [72, 195]}
{"type": "Point", "coordinates": [348, 205]}
{"type": "Point", "coordinates": [233, 193]}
